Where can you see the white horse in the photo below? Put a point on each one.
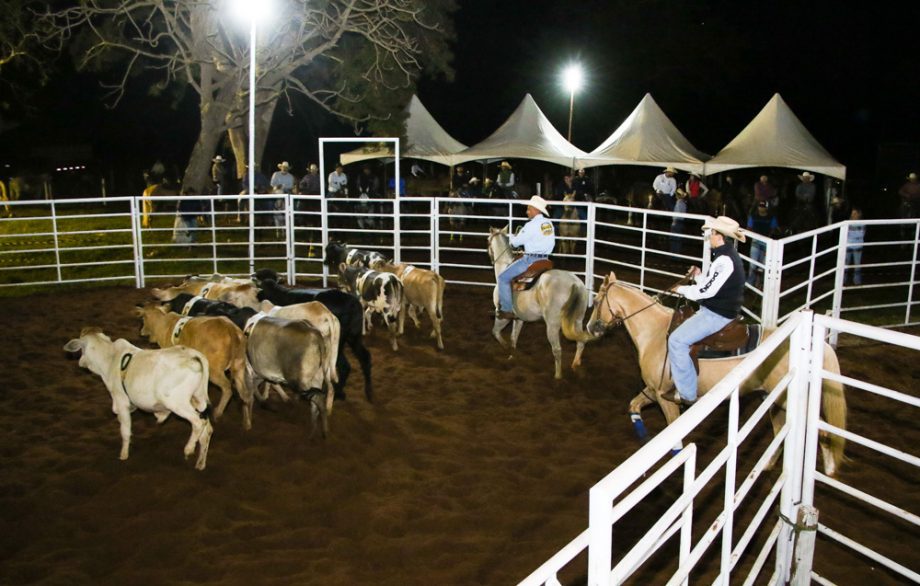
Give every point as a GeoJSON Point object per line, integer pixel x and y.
{"type": "Point", "coordinates": [647, 321]}
{"type": "Point", "coordinates": [559, 298]}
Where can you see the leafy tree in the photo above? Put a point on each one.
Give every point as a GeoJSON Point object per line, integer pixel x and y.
{"type": "Point", "coordinates": [357, 59]}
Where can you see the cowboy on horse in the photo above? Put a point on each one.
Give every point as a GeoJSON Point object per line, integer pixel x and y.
{"type": "Point", "coordinates": [538, 237]}
{"type": "Point", "coordinates": [720, 294]}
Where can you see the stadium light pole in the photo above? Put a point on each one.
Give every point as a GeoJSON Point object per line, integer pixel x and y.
{"type": "Point", "coordinates": [572, 78]}
{"type": "Point", "coordinates": [251, 12]}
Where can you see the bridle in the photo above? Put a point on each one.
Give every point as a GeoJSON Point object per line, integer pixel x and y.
{"type": "Point", "coordinates": [499, 257]}
{"type": "Point", "coordinates": [617, 320]}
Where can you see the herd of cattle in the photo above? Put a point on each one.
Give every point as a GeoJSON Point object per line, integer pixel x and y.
{"type": "Point", "coordinates": [257, 335]}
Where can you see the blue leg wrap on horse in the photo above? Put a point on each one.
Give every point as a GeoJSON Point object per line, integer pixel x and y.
{"type": "Point", "coordinates": [639, 425]}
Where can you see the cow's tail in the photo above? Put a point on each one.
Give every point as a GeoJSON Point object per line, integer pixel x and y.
{"type": "Point", "coordinates": [440, 303]}
{"type": "Point", "coordinates": [573, 312]}
{"type": "Point", "coordinates": [199, 398]}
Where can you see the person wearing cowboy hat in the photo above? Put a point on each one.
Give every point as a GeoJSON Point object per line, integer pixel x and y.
{"type": "Point", "coordinates": [504, 183]}
{"type": "Point", "coordinates": [219, 175]}
{"type": "Point", "coordinates": [282, 181]}
{"type": "Point", "coordinates": [804, 216]}
{"type": "Point", "coordinates": [719, 292]}
{"type": "Point", "coordinates": [309, 185]}
{"type": "Point", "coordinates": [538, 237]}
{"type": "Point", "coordinates": [665, 185]}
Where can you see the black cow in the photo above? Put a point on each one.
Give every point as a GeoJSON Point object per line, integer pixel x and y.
{"type": "Point", "coordinates": [238, 315]}
{"type": "Point", "coordinates": [344, 306]}
{"type": "Point", "coordinates": [338, 253]}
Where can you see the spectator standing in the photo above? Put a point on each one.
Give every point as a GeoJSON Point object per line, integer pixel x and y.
{"type": "Point", "coordinates": [677, 223]}
{"type": "Point", "coordinates": [856, 236]}
{"type": "Point", "coordinates": [368, 186]}
{"type": "Point", "coordinates": [665, 186]}
{"type": "Point", "coordinates": [584, 191]}
{"type": "Point", "coordinates": [309, 184]}
{"type": "Point", "coordinates": [761, 221]}
{"type": "Point", "coordinates": [764, 191]}
{"type": "Point", "coordinates": [839, 210]}
{"type": "Point", "coordinates": [187, 211]}
{"type": "Point", "coordinates": [566, 188]}
{"type": "Point", "coordinates": [337, 185]}
{"type": "Point", "coordinates": [504, 183]}
{"type": "Point", "coordinates": [220, 177]}
{"type": "Point", "coordinates": [910, 197]}
{"type": "Point", "coordinates": [282, 182]}
{"type": "Point", "coordinates": [804, 217]}
{"type": "Point", "coordinates": [460, 178]}
{"type": "Point", "coordinates": [696, 191]}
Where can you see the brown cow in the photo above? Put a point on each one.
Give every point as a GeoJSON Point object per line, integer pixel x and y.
{"type": "Point", "coordinates": [241, 294]}
{"type": "Point", "coordinates": [215, 337]}
{"type": "Point", "coordinates": [423, 290]}
{"type": "Point", "coordinates": [320, 317]}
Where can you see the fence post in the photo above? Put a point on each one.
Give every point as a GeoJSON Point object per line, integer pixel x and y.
{"type": "Point", "coordinates": [794, 444]}
{"type": "Point", "coordinates": [252, 229]}
{"type": "Point", "coordinates": [289, 237]}
{"type": "Point", "coordinates": [397, 241]}
{"type": "Point", "coordinates": [137, 210]}
{"type": "Point", "coordinates": [434, 210]}
{"type": "Point", "coordinates": [324, 228]}
{"type": "Point", "coordinates": [214, 237]}
{"type": "Point", "coordinates": [643, 249]}
{"type": "Point", "coordinates": [589, 254]}
{"type": "Point", "coordinates": [806, 526]}
{"type": "Point", "coordinates": [913, 273]}
{"type": "Point", "coordinates": [57, 249]}
{"type": "Point", "coordinates": [837, 300]}
{"type": "Point", "coordinates": [772, 282]}
{"type": "Point", "coordinates": [600, 540]}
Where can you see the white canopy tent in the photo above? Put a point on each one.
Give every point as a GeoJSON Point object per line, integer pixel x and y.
{"type": "Point", "coordinates": [776, 138]}
{"type": "Point", "coordinates": [647, 137]}
{"type": "Point", "coordinates": [526, 134]}
{"type": "Point", "coordinates": [425, 140]}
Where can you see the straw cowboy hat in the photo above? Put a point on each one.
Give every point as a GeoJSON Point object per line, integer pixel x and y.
{"type": "Point", "coordinates": [725, 226]}
{"type": "Point", "coordinates": [912, 177]}
{"type": "Point", "coordinates": [806, 176]}
{"type": "Point", "coordinates": [218, 159]}
{"type": "Point", "coordinates": [538, 203]}
{"type": "Point", "coordinates": [505, 165]}
{"type": "Point", "coordinates": [284, 166]}
{"type": "Point", "coordinates": [474, 180]}
{"type": "Point", "coordinates": [670, 170]}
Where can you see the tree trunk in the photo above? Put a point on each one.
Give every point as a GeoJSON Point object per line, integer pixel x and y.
{"type": "Point", "coordinates": [239, 135]}
{"type": "Point", "coordinates": [198, 171]}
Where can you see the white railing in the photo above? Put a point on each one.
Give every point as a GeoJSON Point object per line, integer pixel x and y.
{"type": "Point", "coordinates": [792, 492]}
{"type": "Point", "coordinates": [78, 240]}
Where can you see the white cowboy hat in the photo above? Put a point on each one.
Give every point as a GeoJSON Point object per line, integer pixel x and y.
{"type": "Point", "coordinates": [474, 180]}
{"type": "Point", "coordinates": [218, 159]}
{"type": "Point", "coordinates": [284, 165]}
{"type": "Point", "coordinates": [538, 203]}
{"type": "Point", "coordinates": [912, 177]}
{"type": "Point", "coordinates": [670, 170]}
{"type": "Point", "coordinates": [725, 226]}
{"type": "Point", "coordinates": [313, 167]}
{"type": "Point", "coordinates": [806, 176]}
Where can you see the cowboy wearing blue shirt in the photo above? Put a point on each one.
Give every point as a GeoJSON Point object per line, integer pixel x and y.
{"type": "Point", "coordinates": [538, 237]}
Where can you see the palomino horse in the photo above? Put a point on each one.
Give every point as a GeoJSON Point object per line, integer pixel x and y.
{"type": "Point", "coordinates": [647, 322]}
{"type": "Point", "coordinates": [558, 298]}
{"type": "Point", "coordinates": [150, 192]}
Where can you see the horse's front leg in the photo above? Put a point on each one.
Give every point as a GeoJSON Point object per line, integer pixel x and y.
{"type": "Point", "coordinates": [638, 403]}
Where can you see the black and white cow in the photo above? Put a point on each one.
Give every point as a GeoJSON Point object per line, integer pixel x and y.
{"type": "Point", "coordinates": [338, 253]}
{"type": "Point", "coordinates": [379, 293]}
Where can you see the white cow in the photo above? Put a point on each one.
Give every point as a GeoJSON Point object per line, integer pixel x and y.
{"type": "Point", "coordinates": [173, 380]}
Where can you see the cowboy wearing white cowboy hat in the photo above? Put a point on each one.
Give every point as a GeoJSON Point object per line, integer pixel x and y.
{"type": "Point", "coordinates": [282, 181]}
{"type": "Point", "coordinates": [719, 293]}
{"type": "Point", "coordinates": [219, 175]}
{"type": "Point", "coordinates": [538, 237]}
{"type": "Point", "coordinates": [665, 185]}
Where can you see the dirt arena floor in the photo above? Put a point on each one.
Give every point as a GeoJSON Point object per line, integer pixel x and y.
{"type": "Point", "coordinates": [469, 468]}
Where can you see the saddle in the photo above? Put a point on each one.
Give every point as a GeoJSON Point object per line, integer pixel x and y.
{"type": "Point", "coordinates": [735, 339]}
{"type": "Point", "coordinates": [527, 279]}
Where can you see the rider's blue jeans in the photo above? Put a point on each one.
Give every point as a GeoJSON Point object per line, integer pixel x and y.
{"type": "Point", "coordinates": [703, 323]}
{"type": "Point", "coordinates": [505, 301]}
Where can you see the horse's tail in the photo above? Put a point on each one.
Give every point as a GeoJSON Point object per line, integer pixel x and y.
{"type": "Point", "coordinates": [573, 312]}
{"type": "Point", "coordinates": [835, 407]}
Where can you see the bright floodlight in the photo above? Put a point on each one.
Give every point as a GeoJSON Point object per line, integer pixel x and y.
{"type": "Point", "coordinates": [248, 11]}
{"type": "Point", "coordinates": [572, 78]}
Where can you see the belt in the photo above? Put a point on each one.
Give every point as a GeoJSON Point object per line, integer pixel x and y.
{"type": "Point", "coordinates": [536, 255]}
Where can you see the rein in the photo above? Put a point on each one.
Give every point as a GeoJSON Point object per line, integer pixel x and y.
{"type": "Point", "coordinates": [508, 250]}
{"type": "Point", "coordinates": [618, 321]}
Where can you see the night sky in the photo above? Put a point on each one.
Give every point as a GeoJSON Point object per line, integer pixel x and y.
{"type": "Point", "coordinates": [848, 70]}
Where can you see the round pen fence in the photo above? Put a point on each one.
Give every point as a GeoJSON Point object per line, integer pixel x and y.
{"type": "Point", "coordinates": [121, 240]}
